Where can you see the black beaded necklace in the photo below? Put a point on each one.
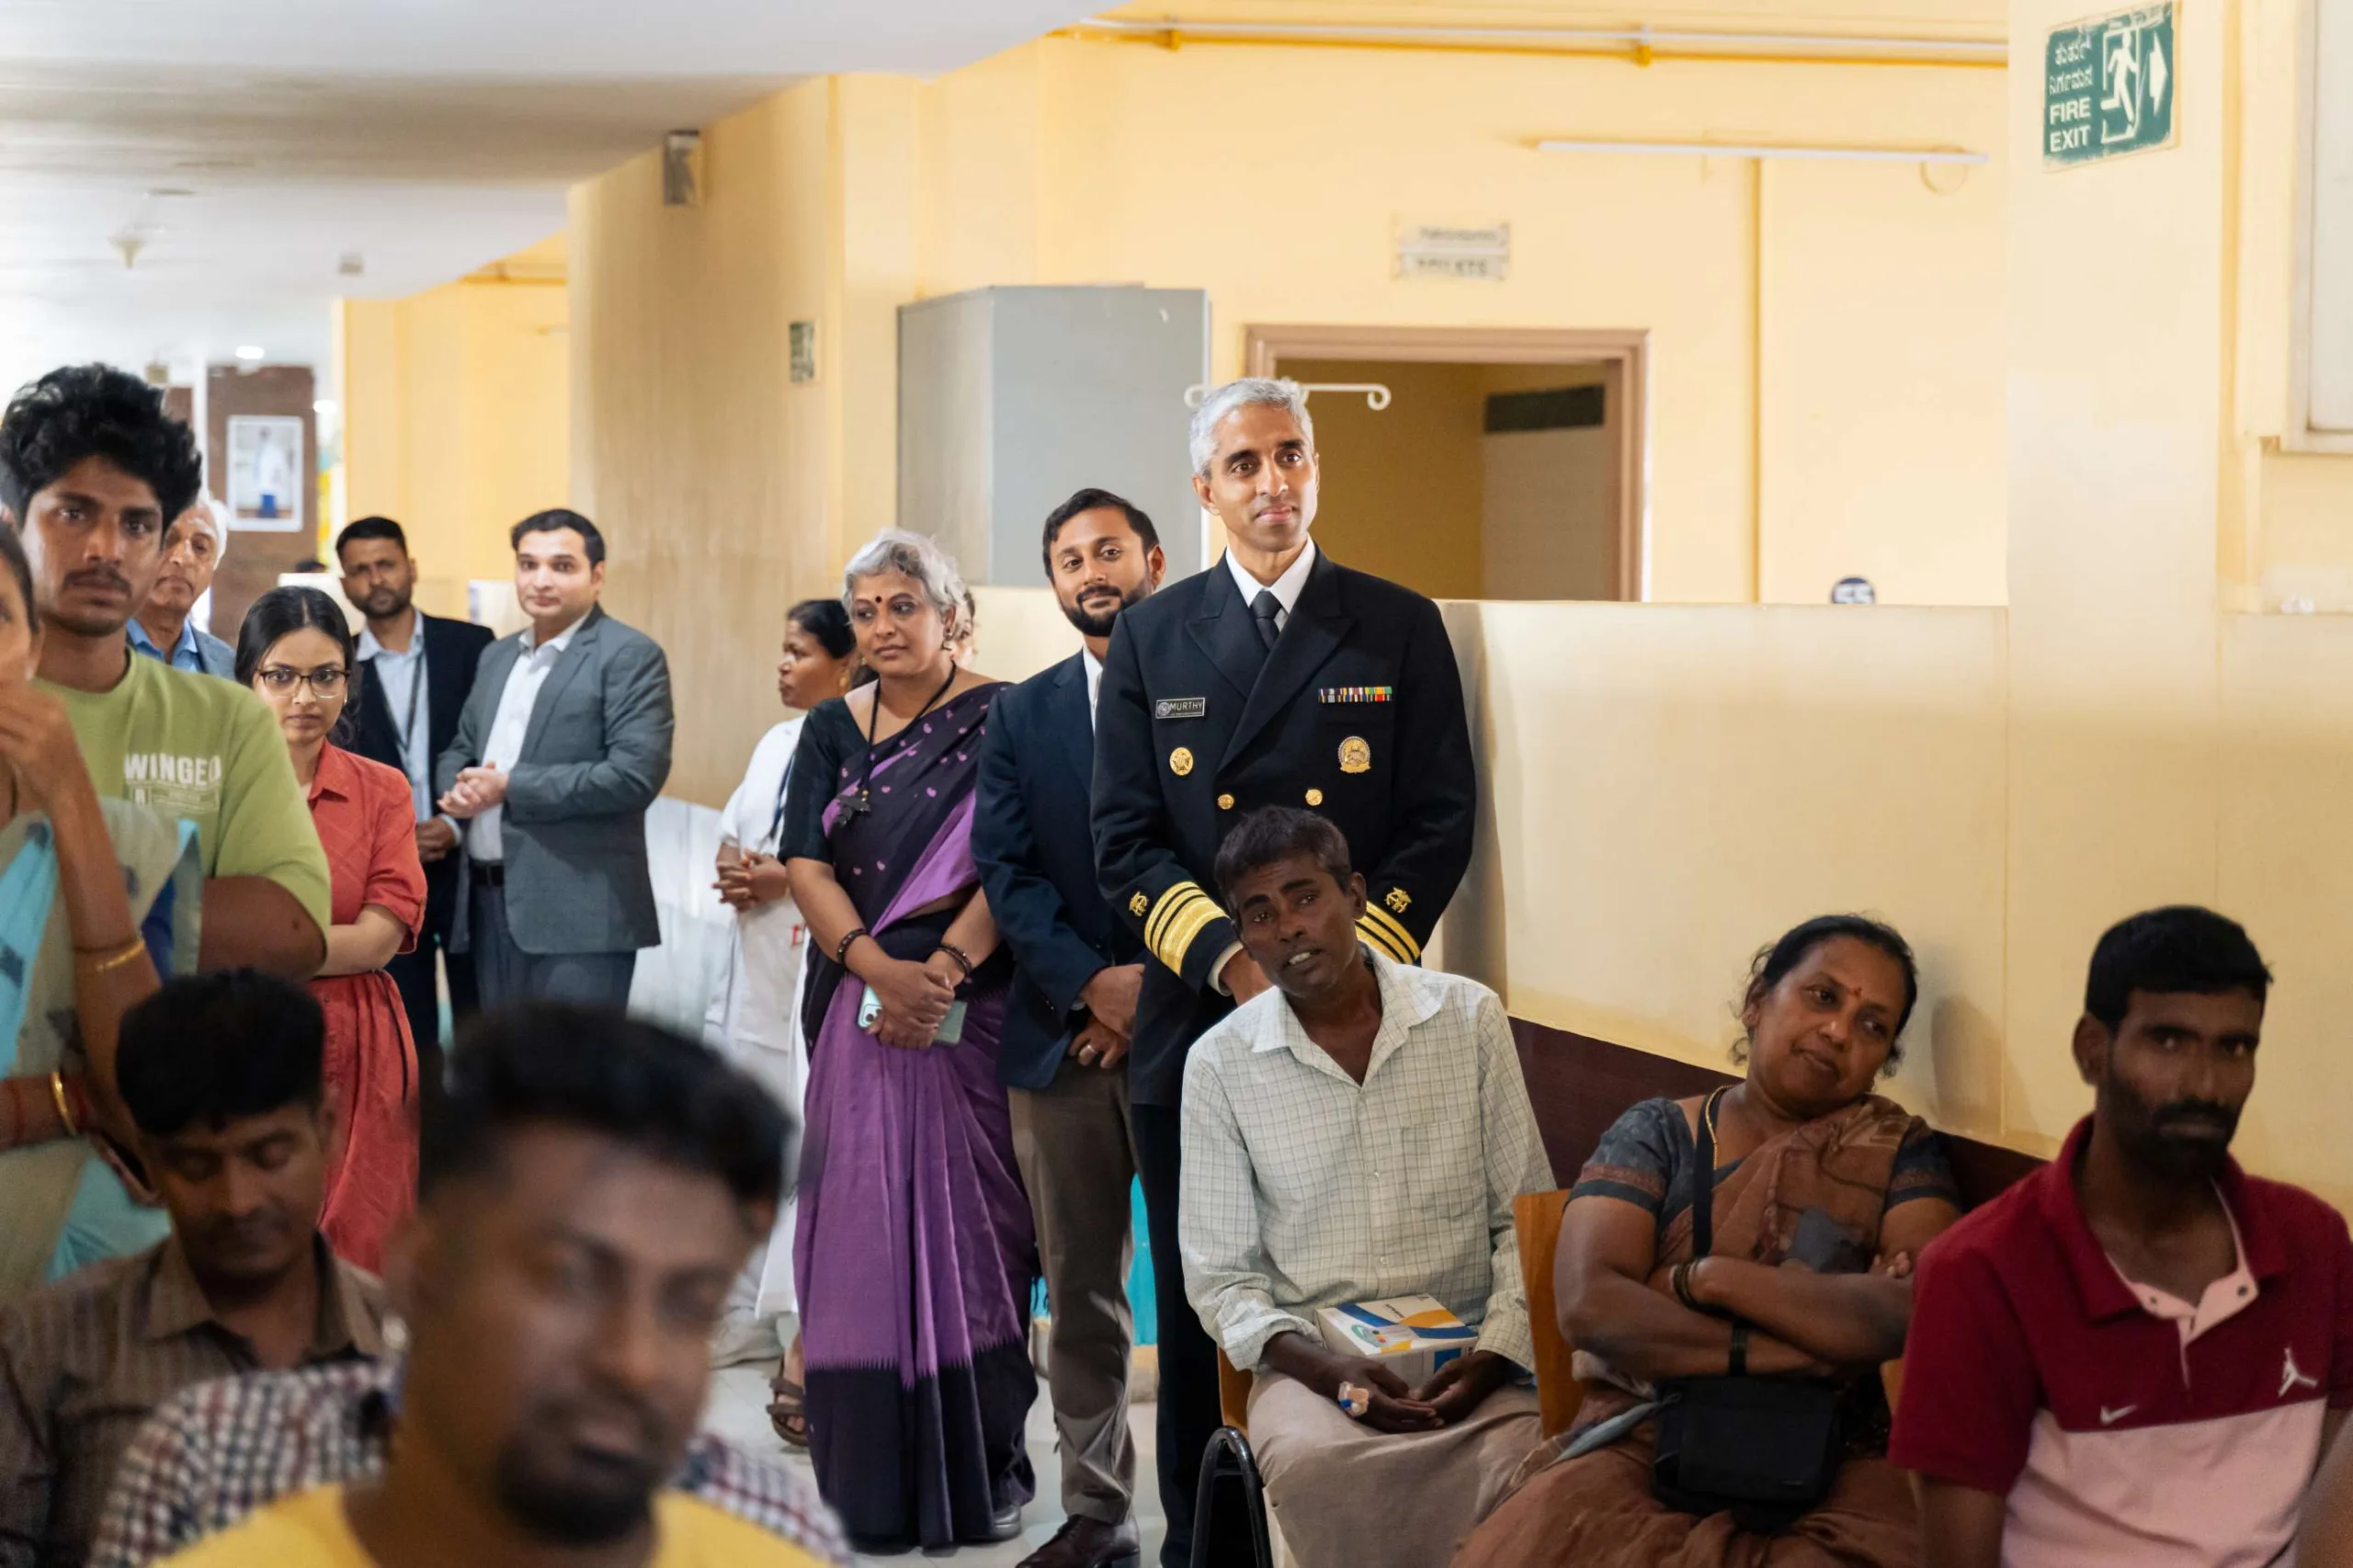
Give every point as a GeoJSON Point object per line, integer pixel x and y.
{"type": "Point", "coordinates": [862, 799]}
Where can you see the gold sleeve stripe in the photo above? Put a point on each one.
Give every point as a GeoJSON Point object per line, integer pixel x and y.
{"type": "Point", "coordinates": [1380, 939]}
{"type": "Point", "coordinates": [1174, 899]}
{"type": "Point", "coordinates": [1183, 929]}
{"type": "Point", "coordinates": [1397, 935]}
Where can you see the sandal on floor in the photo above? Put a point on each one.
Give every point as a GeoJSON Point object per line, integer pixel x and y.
{"type": "Point", "coordinates": [787, 1413]}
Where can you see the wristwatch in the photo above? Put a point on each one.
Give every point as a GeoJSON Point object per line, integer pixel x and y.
{"type": "Point", "coordinates": [1739, 1367]}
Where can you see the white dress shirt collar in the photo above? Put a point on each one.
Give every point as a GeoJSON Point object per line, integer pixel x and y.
{"type": "Point", "coordinates": [1286, 588]}
{"type": "Point", "coordinates": [1094, 680]}
{"type": "Point", "coordinates": [561, 641]}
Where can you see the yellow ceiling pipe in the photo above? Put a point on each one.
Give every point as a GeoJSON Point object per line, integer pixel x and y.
{"type": "Point", "coordinates": [1639, 46]}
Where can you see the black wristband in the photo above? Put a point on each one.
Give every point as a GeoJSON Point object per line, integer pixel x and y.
{"type": "Point", "coordinates": [1739, 1365]}
{"type": "Point", "coordinates": [841, 949]}
{"type": "Point", "coordinates": [1680, 1277]}
{"type": "Point", "coordinates": [963, 960]}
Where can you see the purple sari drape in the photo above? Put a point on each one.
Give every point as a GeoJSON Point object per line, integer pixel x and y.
{"type": "Point", "coordinates": [914, 1250]}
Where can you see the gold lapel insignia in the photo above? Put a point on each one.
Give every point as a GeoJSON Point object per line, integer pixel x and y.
{"type": "Point", "coordinates": [1138, 905]}
{"type": "Point", "coordinates": [1356, 757]}
{"type": "Point", "coordinates": [1398, 900]}
{"type": "Point", "coordinates": [1180, 762]}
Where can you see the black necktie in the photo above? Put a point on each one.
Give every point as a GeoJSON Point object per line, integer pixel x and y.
{"type": "Point", "coordinates": [1263, 609]}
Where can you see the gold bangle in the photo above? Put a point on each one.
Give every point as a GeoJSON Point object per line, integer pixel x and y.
{"type": "Point", "coordinates": [101, 962]}
{"type": "Point", "coordinates": [65, 1111]}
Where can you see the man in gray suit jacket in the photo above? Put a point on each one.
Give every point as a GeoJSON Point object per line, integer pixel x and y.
{"type": "Point", "coordinates": [563, 742]}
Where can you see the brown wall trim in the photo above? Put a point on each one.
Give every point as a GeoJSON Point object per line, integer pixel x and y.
{"type": "Point", "coordinates": [1579, 1085]}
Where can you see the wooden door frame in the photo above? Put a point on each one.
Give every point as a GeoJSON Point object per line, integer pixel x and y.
{"type": "Point", "coordinates": [1625, 350]}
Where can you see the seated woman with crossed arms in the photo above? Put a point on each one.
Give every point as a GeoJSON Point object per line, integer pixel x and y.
{"type": "Point", "coordinates": [1823, 1195]}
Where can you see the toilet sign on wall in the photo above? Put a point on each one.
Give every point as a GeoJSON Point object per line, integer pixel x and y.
{"type": "Point", "coordinates": [2108, 86]}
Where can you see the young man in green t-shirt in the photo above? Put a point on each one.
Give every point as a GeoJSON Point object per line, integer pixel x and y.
{"type": "Point", "coordinates": [91, 471]}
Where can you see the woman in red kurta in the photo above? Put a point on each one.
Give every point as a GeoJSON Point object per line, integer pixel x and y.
{"type": "Point", "coordinates": [296, 651]}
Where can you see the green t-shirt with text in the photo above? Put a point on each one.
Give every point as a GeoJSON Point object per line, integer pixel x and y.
{"type": "Point", "coordinates": [210, 752]}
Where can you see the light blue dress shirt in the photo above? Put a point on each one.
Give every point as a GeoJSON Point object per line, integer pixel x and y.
{"type": "Point", "coordinates": [402, 676]}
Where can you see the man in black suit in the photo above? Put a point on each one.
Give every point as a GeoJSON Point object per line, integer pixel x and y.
{"type": "Point", "coordinates": [1277, 678]}
{"type": "Point", "coordinates": [1063, 1058]}
{"type": "Point", "coordinates": [405, 723]}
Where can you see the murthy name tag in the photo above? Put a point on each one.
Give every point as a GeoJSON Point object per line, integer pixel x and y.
{"type": "Point", "coordinates": [1181, 707]}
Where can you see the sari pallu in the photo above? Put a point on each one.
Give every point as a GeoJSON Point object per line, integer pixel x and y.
{"type": "Point", "coordinates": [60, 1204]}
{"type": "Point", "coordinates": [914, 1250]}
{"type": "Point", "coordinates": [1812, 1197]}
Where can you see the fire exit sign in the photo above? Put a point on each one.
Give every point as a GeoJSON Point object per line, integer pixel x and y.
{"type": "Point", "coordinates": [2108, 86]}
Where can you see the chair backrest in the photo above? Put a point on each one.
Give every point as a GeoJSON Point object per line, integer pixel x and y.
{"type": "Point", "coordinates": [1233, 1394]}
{"type": "Point", "coordinates": [1537, 1217]}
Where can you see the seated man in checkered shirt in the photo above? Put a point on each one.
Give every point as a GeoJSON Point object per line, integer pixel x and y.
{"type": "Point", "coordinates": [1357, 1133]}
{"type": "Point", "coordinates": [592, 1186]}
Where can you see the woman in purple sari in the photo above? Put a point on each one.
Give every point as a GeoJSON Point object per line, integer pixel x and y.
{"type": "Point", "coordinates": [913, 1253]}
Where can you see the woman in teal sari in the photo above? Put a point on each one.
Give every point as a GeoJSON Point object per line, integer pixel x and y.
{"type": "Point", "coordinates": [96, 898]}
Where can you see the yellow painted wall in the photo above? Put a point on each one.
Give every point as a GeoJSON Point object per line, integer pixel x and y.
{"type": "Point", "coordinates": [716, 481]}
{"type": "Point", "coordinates": [1298, 227]}
{"type": "Point", "coordinates": [1662, 788]}
{"type": "Point", "coordinates": [1400, 486]}
{"type": "Point", "coordinates": [456, 411]}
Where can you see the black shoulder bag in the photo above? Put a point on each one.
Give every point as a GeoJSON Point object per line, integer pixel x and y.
{"type": "Point", "coordinates": [1762, 1449]}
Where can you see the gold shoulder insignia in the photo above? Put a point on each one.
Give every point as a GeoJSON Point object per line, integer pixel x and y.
{"type": "Point", "coordinates": [1398, 900]}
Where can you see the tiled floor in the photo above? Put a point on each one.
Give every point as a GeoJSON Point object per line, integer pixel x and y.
{"type": "Point", "coordinates": [738, 1411]}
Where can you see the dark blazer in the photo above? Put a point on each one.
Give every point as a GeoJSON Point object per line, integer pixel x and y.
{"type": "Point", "coordinates": [453, 651]}
{"type": "Point", "coordinates": [1037, 859]}
{"type": "Point", "coordinates": [594, 757]}
{"type": "Point", "coordinates": [1357, 713]}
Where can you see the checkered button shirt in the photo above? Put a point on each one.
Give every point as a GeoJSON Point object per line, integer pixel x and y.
{"type": "Point", "coordinates": [1303, 1189]}
{"type": "Point", "coordinates": [221, 1450]}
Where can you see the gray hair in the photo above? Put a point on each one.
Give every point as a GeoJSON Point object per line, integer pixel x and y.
{"type": "Point", "coordinates": [215, 513]}
{"type": "Point", "coordinates": [1250, 391]}
{"type": "Point", "coordinates": [914, 555]}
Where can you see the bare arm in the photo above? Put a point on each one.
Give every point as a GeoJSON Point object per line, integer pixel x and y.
{"type": "Point", "coordinates": [367, 944]}
{"type": "Point", "coordinates": [252, 920]}
{"type": "Point", "coordinates": [1600, 1275]}
{"type": "Point", "coordinates": [113, 972]}
{"type": "Point", "coordinates": [974, 931]}
{"type": "Point", "coordinates": [1959, 1526]}
{"type": "Point", "coordinates": [1847, 1320]}
{"type": "Point", "coordinates": [915, 996]}
{"type": "Point", "coordinates": [2326, 1538]}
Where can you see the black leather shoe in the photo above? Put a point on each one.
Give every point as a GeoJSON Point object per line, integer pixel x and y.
{"type": "Point", "coordinates": [1004, 1524]}
{"type": "Point", "coordinates": [1083, 1543]}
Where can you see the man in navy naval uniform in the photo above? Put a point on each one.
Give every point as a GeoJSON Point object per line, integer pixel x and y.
{"type": "Point", "coordinates": [1275, 678]}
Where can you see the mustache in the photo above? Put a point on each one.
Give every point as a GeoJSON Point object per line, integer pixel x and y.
{"type": "Point", "coordinates": [97, 577]}
{"type": "Point", "coordinates": [2189, 1112]}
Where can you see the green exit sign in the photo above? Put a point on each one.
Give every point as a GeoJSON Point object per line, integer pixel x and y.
{"type": "Point", "coordinates": [2108, 86]}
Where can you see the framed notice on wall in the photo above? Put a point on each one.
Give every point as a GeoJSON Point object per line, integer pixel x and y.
{"type": "Point", "coordinates": [266, 478]}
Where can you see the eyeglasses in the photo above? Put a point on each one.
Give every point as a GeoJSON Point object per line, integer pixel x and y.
{"type": "Point", "coordinates": [326, 680]}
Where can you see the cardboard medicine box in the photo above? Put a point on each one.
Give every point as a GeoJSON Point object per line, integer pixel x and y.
{"type": "Point", "coordinates": [1415, 1334]}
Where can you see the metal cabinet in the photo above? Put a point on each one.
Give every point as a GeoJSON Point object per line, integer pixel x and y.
{"type": "Point", "coordinates": [1010, 399]}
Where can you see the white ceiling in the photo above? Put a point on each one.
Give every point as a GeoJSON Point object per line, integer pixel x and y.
{"type": "Point", "coordinates": [250, 145]}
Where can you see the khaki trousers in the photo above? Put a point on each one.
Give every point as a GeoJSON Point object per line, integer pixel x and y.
{"type": "Point", "coordinates": [1071, 1139]}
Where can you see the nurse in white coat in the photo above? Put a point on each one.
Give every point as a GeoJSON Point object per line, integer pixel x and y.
{"type": "Point", "coordinates": [753, 1017]}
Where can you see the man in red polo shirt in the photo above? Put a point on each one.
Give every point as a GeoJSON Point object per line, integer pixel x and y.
{"type": "Point", "coordinates": [2137, 1355]}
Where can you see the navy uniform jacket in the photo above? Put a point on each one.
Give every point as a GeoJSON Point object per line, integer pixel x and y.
{"type": "Point", "coordinates": [1036, 860]}
{"type": "Point", "coordinates": [1357, 713]}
